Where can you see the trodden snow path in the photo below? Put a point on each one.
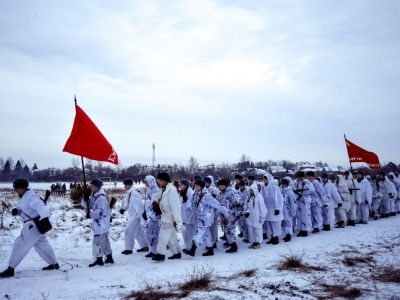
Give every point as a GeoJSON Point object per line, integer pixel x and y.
{"type": "Point", "coordinates": [132, 272]}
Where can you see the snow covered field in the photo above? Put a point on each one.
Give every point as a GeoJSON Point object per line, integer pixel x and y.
{"type": "Point", "coordinates": [371, 247]}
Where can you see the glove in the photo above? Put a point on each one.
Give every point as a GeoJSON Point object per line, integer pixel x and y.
{"type": "Point", "coordinates": [351, 192]}
{"type": "Point", "coordinates": [122, 211]}
{"type": "Point", "coordinates": [88, 215]}
{"type": "Point", "coordinates": [246, 214]}
{"type": "Point", "coordinates": [144, 216]}
{"type": "Point", "coordinates": [339, 205]}
{"type": "Point", "coordinates": [391, 196]}
{"type": "Point", "coordinates": [225, 221]}
{"type": "Point", "coordinates": [276, 212]}
{"type": "Point", "coordinates": [156, 208]}
{"type": "Point", "coordinates": [326, 205]}
{"type": "Point", "coordinates": [15, 212]}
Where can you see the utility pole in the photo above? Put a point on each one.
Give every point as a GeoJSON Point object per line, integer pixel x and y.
{"type": "Point", "coordinates": [154, 155]}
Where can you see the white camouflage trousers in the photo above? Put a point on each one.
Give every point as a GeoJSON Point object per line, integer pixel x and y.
{"type": "Point", "coordinates": [203, 236]}
{"type": "Point", "coordinates": [168, 237]}
{"type": "Point", "coordinates": [152, 231]}
{"type": "Point", "coordinates": [31, 237]}
{"type": "Point", "coordinates": [134, 230]}
{"type": "Point", "coordinates": [188, 233]}
{"type": "Point", "coordinates": [101, 245]}
{"type": "Point", "coordinates": [255, 234]}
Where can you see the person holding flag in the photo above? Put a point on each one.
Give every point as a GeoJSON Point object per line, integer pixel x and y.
{"type": "Point", "coordinates": [99, 211]}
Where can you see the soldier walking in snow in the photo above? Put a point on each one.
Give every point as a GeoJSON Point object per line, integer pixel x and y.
{"type": "Point", "coordinates": [206, 206]}
{"type": "Point", "coordinates": [171, 219]}
{"type": "Point", "coordinates": [274, 203]}
{"type": "Point", "coordinates": [100, 212]}
{"type": "Point", "coordinates": [133, 203]}
{"type": "Point", "coordinates": [152, 218]}
{"type": "Point", "coordinates": [32, 211]}
{"type": "Point", "coordinates": [303, 190]}
{"type": "Point", "coordinates": [289, 208]}
{"type": "Point", "coordinates": [255, 214]}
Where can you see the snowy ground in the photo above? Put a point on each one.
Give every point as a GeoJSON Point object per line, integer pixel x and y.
{"type": "Point", "coordinates": [372, 246]}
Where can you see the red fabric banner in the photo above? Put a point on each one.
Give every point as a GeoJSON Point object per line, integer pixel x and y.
{"type": "Point", "coordinates": [86, 140]}
{"type": "Point", "coordinates": [358, 154]}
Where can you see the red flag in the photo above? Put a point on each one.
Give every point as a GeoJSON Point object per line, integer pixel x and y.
{"type": "Point", "coordinates": [86, 140]}
{"type": "Point", "coordinates": [358, 154]}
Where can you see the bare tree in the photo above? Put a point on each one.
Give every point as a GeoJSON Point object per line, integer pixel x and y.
{"type": "Point", "coordinates": [193, 164]}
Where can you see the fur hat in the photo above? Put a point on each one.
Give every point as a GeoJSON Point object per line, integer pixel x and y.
{"type": "Point", "coordinates": [97, 183]}
{"type": "Point", "coordinates": [164, 176]}
{"type": "Point", "coordinates": [20, 183]}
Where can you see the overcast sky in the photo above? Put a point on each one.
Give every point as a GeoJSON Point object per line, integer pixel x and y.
{"type": "Point", "coordinates": [213, 79]}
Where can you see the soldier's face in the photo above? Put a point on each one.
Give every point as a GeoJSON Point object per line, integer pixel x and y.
{"type": "Point", "coordinates": [197, 188]}
{"type": "Point", "coordinates": [93, 188]}
{"type": "Point", "coordinates": [222, 187]}
{"type": "Point", "coordinates": [20, 192]}
{"type": "Point", "coordinates": [127, 187]}
{"type": "Point", "coordinates": [162, 183]}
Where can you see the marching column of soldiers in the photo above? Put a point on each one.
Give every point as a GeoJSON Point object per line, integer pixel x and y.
{"type": "Point", "coordinates": [270, 209]}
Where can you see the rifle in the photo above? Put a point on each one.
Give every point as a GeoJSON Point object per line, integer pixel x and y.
{"type": "Point", "coordinates": [46, 197]}
{"type": "Point", "coordinates": [113, 202]}
{"type": "Point", "coordinates": [299, 193]}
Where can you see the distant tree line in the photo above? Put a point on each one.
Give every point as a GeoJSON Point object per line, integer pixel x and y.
{"type": "Point", "coordinates": [9, 170]}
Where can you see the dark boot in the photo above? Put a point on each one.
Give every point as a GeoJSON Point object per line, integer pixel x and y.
{"type": "Point", "coordinates": [209, 252]}
{"type": "Point", "coordinates": [192, 251]}
{"type": "Point", "coordinates": [315, 230]}
{"type": "Point", "coordinates": [51, 267]}
{"type": "Point", "coordinates": [275, 240]}
{"type": "Point", "coordinates": [144, 249]}
{"type": "Point", "coordinates": [240, 235]}
{"type": "Point", "coordinates": [98, 262]}
{"type": "Point", "coordinates": [303, 234]}
{"type": "Point", "coordinates": [9, 272]}
{"type": "Point", "coordinates": [270, 241]}
{"type": "Point", "coordinates": [340, 224]}
{"type": "Point", "coordinates": [265, 236]}
{"type": "Point", "coordinates": [109, 259]}
{"type": "Point", "coordinates": [287, 238]}
{"type": "Point", "coordinates": [175, 256]}
{"type": "Point", "coordinates": [215, 246]}
{"type": "Point", "coordinates": [351, 223]}
{"type": "Point", "coordinates": [159, 257]}
{"type": "Point", "coordinates": [232, 249]}
{"type": "Point", "coordinates": [150, 255]}
{"type": "Point", "coordinates": [327, 228]}
{"type": "Point", "coordinates": [223, 237]}
{"type": "Point", "coordinates": [246, 241]}
{"type": "Point", "coordinates": [226, 244]}
{"type": "Point", "coordinates": [127, 252]}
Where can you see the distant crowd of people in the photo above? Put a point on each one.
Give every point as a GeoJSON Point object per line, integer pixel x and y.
{"type": "Point", "coordinates": [268, 209]}
{"type": "Point", "coordinates": [58, 189]}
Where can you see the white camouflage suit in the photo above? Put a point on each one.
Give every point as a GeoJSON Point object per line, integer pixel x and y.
{"type": "Point", "coordinates": [152, 227]}
{"type": "Point", "coordinates": [230, 199]}
{"type": "Point", "coordinates": [274, 202]}
{"type": "Point", "coordinates": [189, 218]}
{"type": "Point", "coordinates": [133, 203]}
{"type": "Point", "coordinates": [100, 213]}
{"type": "Point", "coordinates": [304, 190]}
{"type": "Point", "coordinates": [328, 213]}
{"type": "Point", "coordinates": [206, 207]}
{"type": "Point", "coordinates": [29, 207]}
{"type": "Point", "coordinates": [355, 200]}
{"type": "Point", "coordinates": [289, 209]}
{"type": "Point", "coordinates": [366, 199]}
{"type": "Point", "coordinates": [171, 221]}
{"type": "Point", "coordinates": [343, 190]}
{"type": "Point", "coordinates": [257, 211]}
{"type": "Point", "coordinates": [214, 191]}
{"type": "Point", "coordinates": [318, 202]}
